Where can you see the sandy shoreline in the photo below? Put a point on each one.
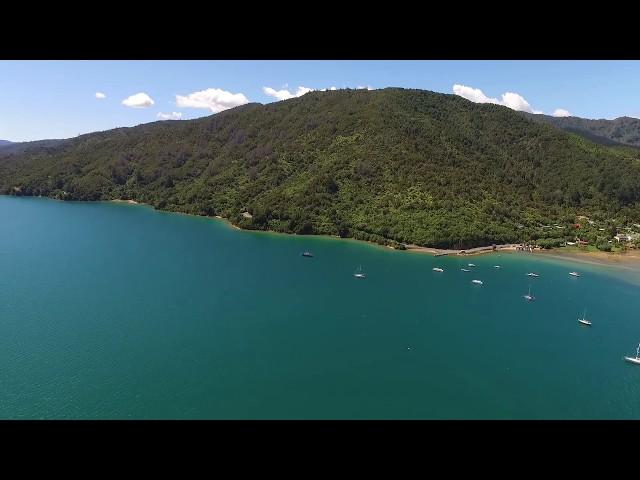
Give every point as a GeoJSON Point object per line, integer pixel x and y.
{"type": "Point", "coordinates": [630, 259]}
{"type": "Point", "coordinates": [119, 200]}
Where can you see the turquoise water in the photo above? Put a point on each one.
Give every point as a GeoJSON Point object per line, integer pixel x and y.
{"type": "Point", "coordinates": [119, 311]}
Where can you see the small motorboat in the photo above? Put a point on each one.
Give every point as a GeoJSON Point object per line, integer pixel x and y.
{"type": "Point", "coordinates": [531, 274]}
{"type": "Point", "coordinates": [497, 266]}
{"type": "Point", "coordinates": [574, 274]}
{"type": "Point", "coordinates": [471, 265]}
{"type": "Point", "coordinates": [437, 269]}
{"type": "Point", "coordinates": [465, 270]}
{"type": "Point", "coordinates": [307, 254]}
{"type": "Point", "coordinates": [477, 282]}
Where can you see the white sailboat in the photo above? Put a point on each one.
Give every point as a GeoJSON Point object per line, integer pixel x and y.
{"type": "Point", "coordinates": [465, 270]}
{"type": "Point", "coordinates": [497, 266]}
{"type": "Point", "coordinates": [531, 274]}
{"type": "Point", "coordinates": [584, 320]}
{"type": "Point", "coordinates": [574, 274]}
{"type": "Point", "coordinates": [477, 282]}
{"type": "Point", "coordinates": [437, 269]}
{"type": "Point", "coordinates": [528, 296]}
{"type": "Point", "coordinates": [472, 265]}
{"type": "Point", "coordinates": [635, 360]}
{"type": "Point", "coordinates": [358, 273]}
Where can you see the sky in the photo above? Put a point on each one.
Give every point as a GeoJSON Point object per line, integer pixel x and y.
{"type": "Point", "coordinates": [63, 99]}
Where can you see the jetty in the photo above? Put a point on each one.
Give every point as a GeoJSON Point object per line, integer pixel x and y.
{"type": "Point", "coordinates": [439, 252]}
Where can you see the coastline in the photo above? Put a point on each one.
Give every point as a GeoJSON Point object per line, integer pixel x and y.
{"type": "Point", "coordinates": [629, 259]}
{"type": "Point", "coordinates": [622, 259]}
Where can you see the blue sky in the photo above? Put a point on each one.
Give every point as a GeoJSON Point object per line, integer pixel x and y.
{"type": "Point", "coordinates": [57, 99]}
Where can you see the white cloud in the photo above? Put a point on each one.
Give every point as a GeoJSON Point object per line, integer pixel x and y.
{"type": "Point", "coordinates": [516, 102]}
{"type": "Point", "coordinates": [286, 94]}
{"type": "Point", "coordinates": [512, 100]}
{"type": "Point", "coordinates": [561, 112]}
{"type": "Point", "coordinates": [213, 99]}
{"type": "Point", "coordinates": [139, 100]}
{"type": "Point", "coordinates": [100, 95]}
{"type": "Point", "coordinates": [170, 116]}
{"type": "Point", "coordinates": [474, 94]}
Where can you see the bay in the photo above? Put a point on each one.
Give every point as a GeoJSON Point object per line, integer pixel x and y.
{"type": "Point", "coordinates": [111, 311]}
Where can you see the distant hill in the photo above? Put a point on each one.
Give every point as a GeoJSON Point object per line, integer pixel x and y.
{"type": "Point", "coordinates": [390, 165]}
{"type": "Point", "coordinates": [621, 131]}
{"type": "Point", "coordinates": [22, 147]}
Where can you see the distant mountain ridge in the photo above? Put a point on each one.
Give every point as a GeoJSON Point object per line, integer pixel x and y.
{"type": "Point", "coordinates": [7, 147]}
{"type": "Point", "coordinates": [621, 131]}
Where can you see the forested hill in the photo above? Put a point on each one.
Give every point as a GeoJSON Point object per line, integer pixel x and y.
{"type": "Point", "coordinates": [620, 131]}
{"type": "Point", "coordinates": [390, 165]}
{"type": "Point", "coordinates": [7, 147]}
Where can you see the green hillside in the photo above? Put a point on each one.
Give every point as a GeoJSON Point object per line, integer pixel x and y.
{"type": "Point", "coordinates": [390, 165]}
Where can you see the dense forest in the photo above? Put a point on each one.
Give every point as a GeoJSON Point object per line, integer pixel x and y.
{"type": "Point", "coordinates": [620, 131]}
{"type": "Point", "coordinates": [391, 166]}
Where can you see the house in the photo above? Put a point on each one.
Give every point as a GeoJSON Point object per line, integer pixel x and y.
{"type": "Point", "coordinates": [623, 237]}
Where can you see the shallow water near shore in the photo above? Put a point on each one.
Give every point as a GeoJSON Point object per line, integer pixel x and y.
{"type": "Point", "coordinates": [110, 310]}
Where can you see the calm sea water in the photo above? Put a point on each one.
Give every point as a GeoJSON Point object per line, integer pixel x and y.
{"type": "Point", "coordinates": [119, 311]}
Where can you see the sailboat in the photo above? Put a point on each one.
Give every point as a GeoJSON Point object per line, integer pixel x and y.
{"type": "Point", "coordinates": [531, 274]}
{"type": "Point", "coordinates": [437, 269]}
{"type": "Point", "coordinates": [528, 296]}
{"type": "Point", "coordinates": [477, 282]}
{"type": "Point", "coordinates": [574, 274]}
{"type": "Point", "coordinates": [307, 254]}
{"type": "Point", "coordinates": [472, 265]}
{"type": "Point", "coordinates": [634, 360]}
{"type": "Point", "coordinates": [465, 269]}
{"type": "Point", "coordinates": [584, 320]}
{"type": "Point", "coordinates": [358, 273]}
